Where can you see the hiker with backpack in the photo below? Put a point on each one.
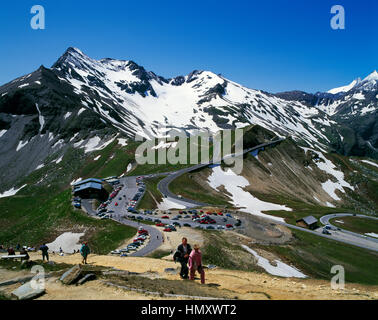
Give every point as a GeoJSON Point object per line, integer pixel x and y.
{"type": "Point", "coordinates": [195, 263]}
{"type": "Point", "coordinates": [85, 251]}
{"type": "Point", "coordinates": [182, 255]}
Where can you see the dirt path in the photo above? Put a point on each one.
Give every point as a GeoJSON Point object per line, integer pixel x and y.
{"type": "Point", "coordinates": [246, 285]}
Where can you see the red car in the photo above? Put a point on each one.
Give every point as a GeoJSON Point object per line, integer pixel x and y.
{"type": "Point", "coordinates": [229, 225]}
{"type": "Point", "coordinates": [204, 222]}
{"type": "Point", "coordinates": [220, 214]}
{"type": "Point", "coordinates": [167, 230]}
{"type": "Point", "coordinates": [116, 204]}
{"type": "Point", "coordinates": [160, 224]}
{"type": "Point", "coordinates": [165, 217]}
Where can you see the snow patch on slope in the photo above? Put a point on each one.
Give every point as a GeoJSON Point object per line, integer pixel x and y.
{"type": "Point", "coordinates": [234, 184]}
{"type": "Point", "coordinates": [11, 192]}
{"type": "Point", "coordinates": [281, 269]}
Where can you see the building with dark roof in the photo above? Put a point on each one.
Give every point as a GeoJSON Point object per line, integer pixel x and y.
{"type": "Point", "coordinates": [309, 222]}
{"type": "Point", "coordinates": [86, 181]}
{"type": "Point", "coordinates": [90, 189]}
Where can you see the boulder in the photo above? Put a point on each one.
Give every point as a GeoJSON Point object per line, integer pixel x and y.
{"type": "Point", "coordinates": [171, 270]}
{"type": "Point", "coordinates": [26, 292]}
{"type": "Point", "coordinates": [88, 277]}
{"type": "Point", "coordinates": [27, 264]}
{"type": "Point", "coordinates": [72, 275]}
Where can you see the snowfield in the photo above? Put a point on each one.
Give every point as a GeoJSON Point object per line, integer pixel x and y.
{"type": "Point", "coordinates": [68, 241]}
{"type": "Point", "coordinates": [167, 204]}
{"type": "Point", "coordinates": [21, 145]}
{"type": "Point", "coordinates": [93, 144]}
{"type": "Point", "coordinates": [281, 269]}
{"type": "Point", "coordinates": [370, 162]}
{"type": "Point", "coordinates": [329, 186]}
{"type": "Point", "coordinates": [2, 132]}
{"type": "Point", "coordinates": [234, 185]}
{"type": "Point", "coordinates": [122, 142]}
{"type": "Point", "coordinates": [372, 234]}
{"type": "Point", "coordinates": [11, 192]}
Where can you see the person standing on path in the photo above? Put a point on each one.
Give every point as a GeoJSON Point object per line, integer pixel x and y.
{"type": "Point", "coordinates": [182, 256]}
{"type": "Point", "coordinates": [45, 252]}
{"type": "Point", "coordinates": [195, 263]}
{"type": "Point", "coordinates": [85, 251]}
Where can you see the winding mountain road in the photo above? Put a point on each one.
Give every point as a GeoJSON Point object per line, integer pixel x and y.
{"type": "Point", "coordinates": [163, 185]}
{"type": "Point", "coordinates": [156, 237]}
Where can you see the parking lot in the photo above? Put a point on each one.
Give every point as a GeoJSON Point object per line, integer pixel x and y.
{"type": "Point", "coordinates": [212, 220]}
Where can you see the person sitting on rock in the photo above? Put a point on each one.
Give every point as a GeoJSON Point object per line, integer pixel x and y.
{"type": "Point", "coordinates": [24, 252]}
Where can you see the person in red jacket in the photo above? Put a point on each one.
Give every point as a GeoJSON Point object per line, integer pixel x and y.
{"type": "Point", "coordinates": [195, 263]}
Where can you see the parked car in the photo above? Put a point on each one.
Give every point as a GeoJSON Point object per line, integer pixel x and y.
{"type": "Point", "coordinates": [160, 224]}
{"type": "Point", "coordinates": [167, 229]}
{"type": "Point", "coordinates": [172, 227]}
{"type": "Point", "coordinates": [165, 217]}
{"type": "Point", "coordinates": [187, 225]}
{"type": "Point", "coordinates": [210, 227]}
{"type": "Point", "coordinates": [229, 225]}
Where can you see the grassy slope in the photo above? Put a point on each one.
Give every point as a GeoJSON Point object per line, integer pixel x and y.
{"type": "Point", "coordinates": [186, 186]}
{"type": "Point", "coordinates": [355, 224]}
{"type": "Point", "coordinates": [42, 211]}
{"type": "Point", "coordinates": [34, 220]}
{"type": "Point", "coordinates": [147, 202]}
{"type": "Point", "coordinates": [315, 256]}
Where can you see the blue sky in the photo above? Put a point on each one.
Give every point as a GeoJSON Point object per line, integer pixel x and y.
{"type": "Point", "coordinates": [270, 45]}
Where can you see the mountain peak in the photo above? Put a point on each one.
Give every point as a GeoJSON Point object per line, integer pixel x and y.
{"type": "Point", "coordinates": [372, 76]}
{"type": "Point", "coordinates": [345, 88]}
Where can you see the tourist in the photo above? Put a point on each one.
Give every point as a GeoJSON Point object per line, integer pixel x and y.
{"type": "Point", "coordinates": [45, 252]}
{"type": "Point", "coordinates": [182, 256]}
{"type": "Point", "coordinates": [195, 263]}
{"type": "Point", "coordinates": [85, 251]}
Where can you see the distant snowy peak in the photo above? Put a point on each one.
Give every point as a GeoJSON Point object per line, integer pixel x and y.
{"type": "Point", "coordinates": [367, 84]}
{"type": "Point", "coordinates": [372, 76]}
{"type": "Point", "coordinates": [345, 88]}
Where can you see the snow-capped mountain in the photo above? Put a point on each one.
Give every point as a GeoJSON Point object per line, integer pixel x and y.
{"type": "Point", "coordinates": [81, 101]}
{"type": "Point", "coordinates": [345, 88]}
{"type": "Point", "coordinates": [133, 100]}
{"type": "Point", "coordinates": [354, 109]}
